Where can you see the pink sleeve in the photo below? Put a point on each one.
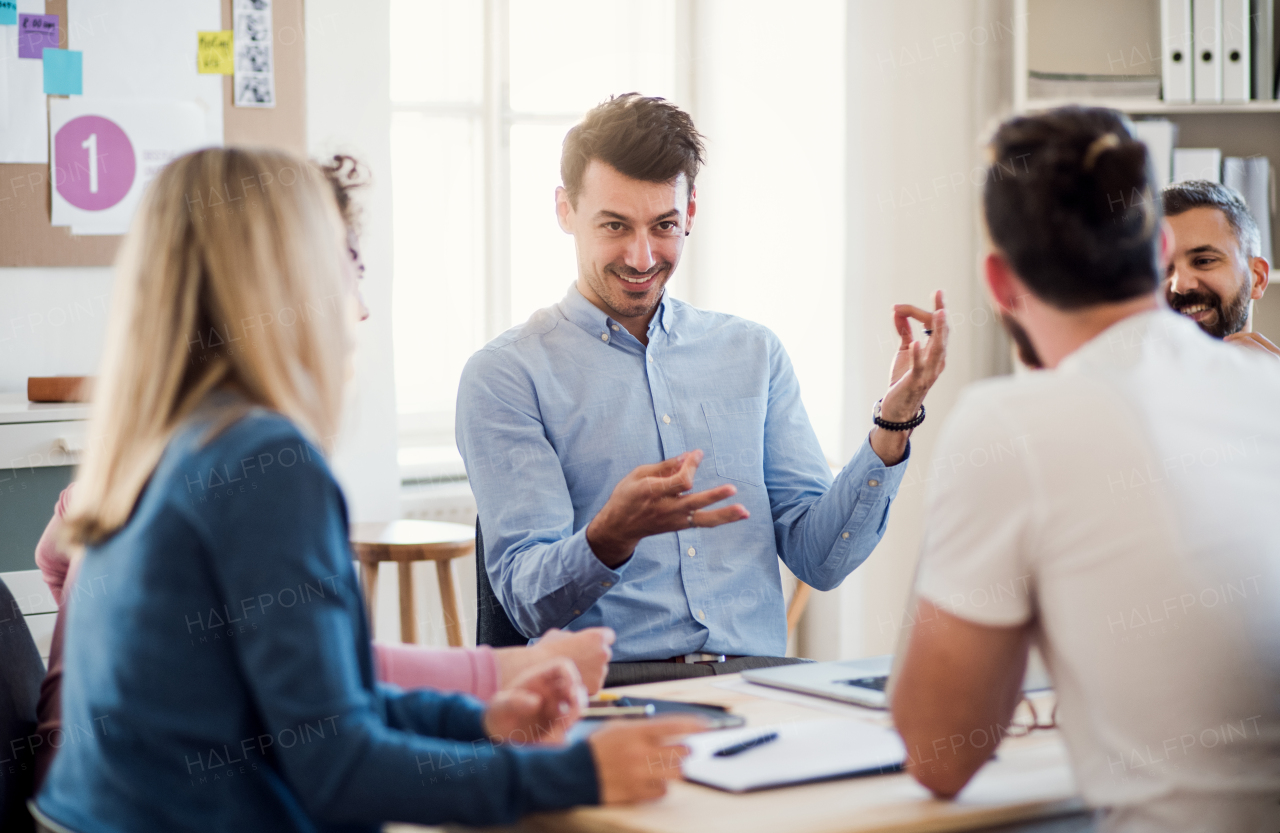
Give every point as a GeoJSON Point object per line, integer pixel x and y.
{"type": "Point", "coordinates": [51, 560]}
{"type": "Point", "coordinates": [469, 670]}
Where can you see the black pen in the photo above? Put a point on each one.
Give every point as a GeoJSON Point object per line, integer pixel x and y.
{"type": "Point", "coordinates": [745, 745]}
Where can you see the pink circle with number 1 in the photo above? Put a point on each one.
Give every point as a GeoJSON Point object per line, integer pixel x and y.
{"type": "Point", "coordinates": [95, 163]}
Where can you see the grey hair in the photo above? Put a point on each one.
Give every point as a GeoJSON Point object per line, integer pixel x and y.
{"type": "Point", "coordinates": [1181, 197]}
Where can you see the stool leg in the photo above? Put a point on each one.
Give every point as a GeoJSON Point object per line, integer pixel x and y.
{"type": "Point", "coordinates": [408, 621]}
{"type": "Point", "coordinates": [449, 600]}
{"type": "Point", "coordinates": [369, 578]}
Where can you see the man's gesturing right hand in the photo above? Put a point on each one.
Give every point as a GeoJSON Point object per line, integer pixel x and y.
{"type": "Point", "coordinates": [654, 499]}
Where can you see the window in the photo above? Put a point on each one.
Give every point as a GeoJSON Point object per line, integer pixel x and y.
{"type": "Point", "coordinates": [482, 94]}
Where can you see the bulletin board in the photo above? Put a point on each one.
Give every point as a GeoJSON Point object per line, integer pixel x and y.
{"type": "Point", "coordinates": [27, 237]}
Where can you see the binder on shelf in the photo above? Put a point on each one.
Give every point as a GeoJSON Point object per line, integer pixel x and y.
{"type": "Point", "coordinates": [1159, 135]}
{"type": "Point", "coordinates": [1251, 176]}
{"type": "Point", "coordinates": [1236, 58]}
{"type": "Point", "coordinates": [1206, 22]}
{"type": "Point", "coordinates": [1175, 33]}
{"type": "Point", "coordinates": [1262, 48]}
{"type": "Point", "coordinates": [1197, 163]}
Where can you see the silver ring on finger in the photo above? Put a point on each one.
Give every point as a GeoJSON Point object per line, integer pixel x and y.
{"type": "Point", "coordinates": [691, 523]}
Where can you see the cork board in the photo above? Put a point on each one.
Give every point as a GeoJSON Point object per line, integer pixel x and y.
{"type": "Point", "coordinates": [27, 238]}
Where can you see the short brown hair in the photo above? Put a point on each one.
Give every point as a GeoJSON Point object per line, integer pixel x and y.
{"type": "Point", "coordinates": [643, 137]}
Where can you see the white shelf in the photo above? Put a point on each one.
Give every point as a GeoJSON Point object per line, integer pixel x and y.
{"type": "Point", "coordinates": [1138, 106]}
{"type": "Point", "coordinates": [14, 408]}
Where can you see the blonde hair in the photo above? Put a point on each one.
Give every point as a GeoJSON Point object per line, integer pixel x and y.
{"type": "Point", "coordinates": [231, 276]}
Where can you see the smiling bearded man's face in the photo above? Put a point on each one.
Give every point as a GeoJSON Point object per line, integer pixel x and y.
{"type": "Point", "coordinates": [1209, 278]}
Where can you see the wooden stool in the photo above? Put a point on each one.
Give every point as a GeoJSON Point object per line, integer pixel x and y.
{"type": "Point", "coordinates": [405, 542]}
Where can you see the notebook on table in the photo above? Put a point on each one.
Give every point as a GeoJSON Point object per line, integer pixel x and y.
{"type": "Point", "coordinates": [803, 752]}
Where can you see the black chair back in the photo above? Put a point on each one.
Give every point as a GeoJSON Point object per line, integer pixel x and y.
{"type": "Point", "coordinates": [21, 671]}
{"type": "Point", "coordinates": [493, 626]}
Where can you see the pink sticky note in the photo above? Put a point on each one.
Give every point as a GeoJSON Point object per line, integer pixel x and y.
{"type": "Point", "coordinates": [35, 32]}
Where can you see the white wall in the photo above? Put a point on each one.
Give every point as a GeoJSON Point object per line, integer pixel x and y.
{"type": "Point", "coordinates": [919, 79]}
{"type": "Point", "coordinates": [52, 322]}
{"type": "Point", "coordinates": [349, 110]}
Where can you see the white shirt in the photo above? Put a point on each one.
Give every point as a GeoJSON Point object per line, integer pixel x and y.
{"type": "Point", "coordinates": [1128, 502]}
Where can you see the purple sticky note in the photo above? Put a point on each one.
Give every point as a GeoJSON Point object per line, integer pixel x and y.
{"type": "Point", "coordinates": [35, 32]}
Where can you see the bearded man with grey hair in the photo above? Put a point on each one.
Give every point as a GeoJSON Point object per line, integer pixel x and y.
{"type": "Point", "coordinates": [1217, 270]}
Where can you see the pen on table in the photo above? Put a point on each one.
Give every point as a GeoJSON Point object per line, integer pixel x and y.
{"type": "Point", "coordinates": [619, 711]}
{"type": "Point", "coordinates": [750, 743]}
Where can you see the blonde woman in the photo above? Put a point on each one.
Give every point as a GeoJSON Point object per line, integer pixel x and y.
{"type": "Point", "coordinates": [205, 493]}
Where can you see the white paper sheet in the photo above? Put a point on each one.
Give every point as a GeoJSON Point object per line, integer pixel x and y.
{"type": "Point", "coordinates": [99, 177]}
{"type": "Point", "coordinates": [146, 49]}
{"type": "Point", "coordinates": [24, 125]}
{"type": "Point", "coordinates": [810, 750]}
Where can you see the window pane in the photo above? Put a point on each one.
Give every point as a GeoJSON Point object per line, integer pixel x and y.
{"type": "Point", "coordinates": [437, 50]}
{"type": "Point", "coordinates": [569, 55]}
{"type": "Point", "coordinates": [437, 318]}
{"type": "Point", "coordinates": [542, 256]}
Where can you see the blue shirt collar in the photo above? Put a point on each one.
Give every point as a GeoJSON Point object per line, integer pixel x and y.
{"type": "Point", "coordinates": [591, 318]}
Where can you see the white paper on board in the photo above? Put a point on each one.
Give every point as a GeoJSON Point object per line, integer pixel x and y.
{"type": "Point", "coordinates": [255, 77]}
{"type": "Point", "coordinates": [146, 49]}
{"type": "Point", "coordinates": [24, 124]}
{"type": "Point", "coordinates": [157, 131]}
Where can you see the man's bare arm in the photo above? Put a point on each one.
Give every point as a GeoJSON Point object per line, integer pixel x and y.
{"type": "Point", "coordinates": [955, 694]}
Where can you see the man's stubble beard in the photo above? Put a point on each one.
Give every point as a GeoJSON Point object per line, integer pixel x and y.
{"type": "Point", "coordinates": [1026, 350]}
{"type": "Point", "coordinates": [1231, 317]}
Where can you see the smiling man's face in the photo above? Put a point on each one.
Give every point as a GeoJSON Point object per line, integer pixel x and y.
{"type": "Point", "coordinates": [629, 235]}
{"type": "Point", "coordinates": [1210, 279]}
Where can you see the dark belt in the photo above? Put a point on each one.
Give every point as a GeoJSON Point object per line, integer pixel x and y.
{"type": "Point", "coordinates": [708, 658]}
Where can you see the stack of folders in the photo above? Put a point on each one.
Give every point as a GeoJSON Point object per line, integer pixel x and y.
{"type": "Point", "coordinates": [1250, 175]}
{"type": "Point", "coordinates": [1218, 50]}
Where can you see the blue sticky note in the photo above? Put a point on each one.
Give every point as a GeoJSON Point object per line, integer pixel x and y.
{"type": "Point", "coordinates": [63, 73]}
{"type": "Point", "coordinates": [8, 12]}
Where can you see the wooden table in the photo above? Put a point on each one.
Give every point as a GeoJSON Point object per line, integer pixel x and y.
{"type": "Point", "coordinates": [1030, 779]}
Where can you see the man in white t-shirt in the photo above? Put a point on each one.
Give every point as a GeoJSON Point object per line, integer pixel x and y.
{"type": "Point", "coordinates": [1117, 508]}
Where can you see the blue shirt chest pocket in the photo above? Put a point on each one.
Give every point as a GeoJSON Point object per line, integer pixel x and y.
{"type": "Point", "coordinates": [737, 437]}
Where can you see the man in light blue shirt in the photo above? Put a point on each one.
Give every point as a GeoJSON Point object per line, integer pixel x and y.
{"type": "Point", "coordinates": [598, 434]}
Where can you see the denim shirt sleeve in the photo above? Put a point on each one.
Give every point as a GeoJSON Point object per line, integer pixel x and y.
{"type": "Point", "coordinates": [544, 574]}
{"type": "Point", "coordinates": [823, 529]}
{"type": "Point", "coordinates": [418, 755]}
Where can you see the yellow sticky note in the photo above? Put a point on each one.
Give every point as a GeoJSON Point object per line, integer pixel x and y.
{"type": "Point", "coordinates": [215, 54]}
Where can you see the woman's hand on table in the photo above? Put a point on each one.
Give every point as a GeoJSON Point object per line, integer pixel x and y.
{"type": "Point", "coordinates": [538, 706]}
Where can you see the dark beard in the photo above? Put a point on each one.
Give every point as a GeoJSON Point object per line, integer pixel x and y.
{"type": "Point", "coordinates": [1026, 350]}
{"type": "Point", "coordinates": [1230, 318]}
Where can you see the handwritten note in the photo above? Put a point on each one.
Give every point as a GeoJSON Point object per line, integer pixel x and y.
{"type": "Point", "coordinates": [63, 72]}
{"type": "Point", "coordinates": [215, 54]}
{"type": "Point", "coordinates": [35, 32]}
{"type": "Point", "coordinates": [8, 12]}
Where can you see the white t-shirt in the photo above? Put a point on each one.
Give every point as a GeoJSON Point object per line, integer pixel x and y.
{"type": "Point", "coordinates": [1129, 503]}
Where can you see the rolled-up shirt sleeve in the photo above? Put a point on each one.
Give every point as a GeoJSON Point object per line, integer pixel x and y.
{"type": "Point", "coordinates": [544, 574]}
{"type": "Point", "coordinates": [824, 529]}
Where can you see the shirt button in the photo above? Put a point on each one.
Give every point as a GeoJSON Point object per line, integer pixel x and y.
{"type": "Point", "coordinates": [604, 336]}
{"type": "Point", "coordinates": [845, 536]}
{"type": "Point", "coordinates": [692, 552]}
{"type": "Point", "coordinates": [650, 359]}
{"type": "Point", "coordinates": [873, 482]}
{"type": "Point", "coordinates": [701, 615]}
{"type": "Point", "coordinates": [666, 419]}
{"type": "Point", "coordinates": [615, 327]}
{"type": "Point", "coordinates": [606, 584]}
